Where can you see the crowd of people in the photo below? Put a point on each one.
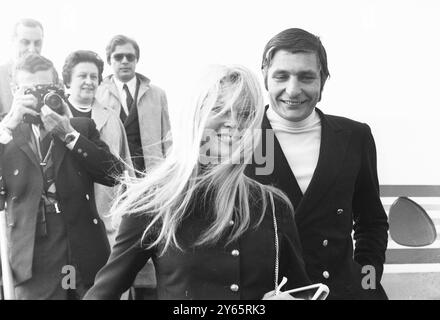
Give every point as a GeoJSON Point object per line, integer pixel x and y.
{"type": "Point", "coordinates": [93, 180]}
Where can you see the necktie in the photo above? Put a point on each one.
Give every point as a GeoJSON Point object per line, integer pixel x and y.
{"type": "Point", "coordinates": [45, 140]}
{"type": "Point", "coordinates": [129, 98]}
{"type": "Point", "coordinates": [48, 196]}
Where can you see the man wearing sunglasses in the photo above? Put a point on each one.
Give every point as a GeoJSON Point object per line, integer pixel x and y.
{"type": "Point", "coordinates": [141, 106]}
{"type": "Point", "coordinates": [143, 109]}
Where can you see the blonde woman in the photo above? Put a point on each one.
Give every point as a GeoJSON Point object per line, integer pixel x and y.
{"type": "Point", "coordinates": [210, 230]}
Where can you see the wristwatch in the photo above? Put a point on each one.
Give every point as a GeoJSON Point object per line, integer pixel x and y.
{"type": "Point", "coordinates": [69, 137]}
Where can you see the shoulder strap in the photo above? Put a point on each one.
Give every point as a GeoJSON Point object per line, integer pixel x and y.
{"type": "Point", "coordinates": [277, 246]}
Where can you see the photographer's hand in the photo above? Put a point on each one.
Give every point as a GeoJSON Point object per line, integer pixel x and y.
{"type": "Point", "coordinates": [21, 105]}
{"type": "Point", "coordinates": [57, 124]}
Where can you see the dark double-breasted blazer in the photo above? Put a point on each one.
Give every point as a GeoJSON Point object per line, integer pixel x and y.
{"type": "Point", "coordinates": [75, 172]}
{"type": "Point", "coordinates": [343, 197]}
{"type": "Point", "coordinates": [242, 269]}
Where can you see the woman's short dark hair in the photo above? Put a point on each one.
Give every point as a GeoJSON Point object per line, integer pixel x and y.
{"type": "Point", "coordinates": [120, 40]}
{"type": "Point", "coordinates": [295, 40]}
{"type": "Point", "coordinates": [77, 57]}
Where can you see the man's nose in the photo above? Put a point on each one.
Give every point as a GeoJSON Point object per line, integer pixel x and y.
{"type": "Point", "coordinates": [32, 48]}
{"type": "Point", "coordinates": [293, 87]}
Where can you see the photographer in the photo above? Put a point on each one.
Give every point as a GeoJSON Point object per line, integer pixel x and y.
{"type": "Point", "coordinates": [49, 162]}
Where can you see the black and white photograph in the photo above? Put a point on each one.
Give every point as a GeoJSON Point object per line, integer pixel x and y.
{"type": "Point", "coordinates": [219, 150]}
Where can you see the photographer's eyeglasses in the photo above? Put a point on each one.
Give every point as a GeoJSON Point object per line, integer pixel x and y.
{"type": "Point", "coordinates": [119, 56]}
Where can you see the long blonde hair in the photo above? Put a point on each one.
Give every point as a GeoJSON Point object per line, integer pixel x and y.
{"type": "Point", "coordinates": [166, 192]}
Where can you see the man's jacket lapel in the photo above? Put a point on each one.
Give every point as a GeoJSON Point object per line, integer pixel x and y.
{"type": "Point", "coordinates": [24, 140]}
{"type": "Point", "coordinates": [334, 143]}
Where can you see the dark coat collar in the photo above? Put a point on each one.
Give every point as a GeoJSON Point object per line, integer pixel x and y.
{"type": "Point", "coordinates": [334, 143]}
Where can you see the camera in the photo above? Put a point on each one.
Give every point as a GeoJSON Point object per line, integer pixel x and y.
{"type": "Point", "coordinates": [49, 95]}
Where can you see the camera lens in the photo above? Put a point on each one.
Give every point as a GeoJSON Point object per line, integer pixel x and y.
{"type": "Point", "coordinates": [53, 101]}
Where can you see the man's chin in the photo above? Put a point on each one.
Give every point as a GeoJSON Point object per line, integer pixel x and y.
{"type": "Point", "coordinates": [295, 115]}
{"type": "Point", "coordinates": [126, 76]}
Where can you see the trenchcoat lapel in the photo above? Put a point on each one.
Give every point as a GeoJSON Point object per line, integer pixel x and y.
{"type": "Point", "coordinates": [100, 115]}
{"type": "Point", "coordinates": [334, 143]}
{"type": "Point", "coordinates": [114, 92]}
{"type": "Point", "coordinates": [134, 114]}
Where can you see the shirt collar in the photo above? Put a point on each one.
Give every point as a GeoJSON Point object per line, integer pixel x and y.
{"type": "Point", "coordinates": [130, 84]}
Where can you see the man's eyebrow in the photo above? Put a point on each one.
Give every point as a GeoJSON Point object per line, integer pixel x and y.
{"type": "Point", "coordinates": [305, 72]}
{"type": "Point", "coordinates": [280, 71]}
{"type": "Point", "coordinates": [301, 72]}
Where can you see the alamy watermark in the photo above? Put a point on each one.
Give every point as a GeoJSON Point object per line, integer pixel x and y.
{"type": "Point", "coordinates": [231, 148]}
{"type": "Point", "coordinates": [69, 280]}
{"type": "Point", "coordinates": [369, 280]}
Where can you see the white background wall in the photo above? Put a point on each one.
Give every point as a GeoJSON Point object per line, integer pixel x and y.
{"type": "Point", "coordinates": [384, 56]}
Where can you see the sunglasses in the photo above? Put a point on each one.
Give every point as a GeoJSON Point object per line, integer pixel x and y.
{"type": "Point", "coordinates": [119, 56]}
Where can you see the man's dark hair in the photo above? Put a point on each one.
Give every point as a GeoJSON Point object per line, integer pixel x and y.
{"type": "Point", "coordinates": [77, 57]}
{"type": "Point", "coordinates": [295, 40]}
{"type": "Point", "coordinates": [120, 40]}
{"type": "Point", "coordinates": [33, 62]}
{"type": "Point", "coordinates": [27, 22]}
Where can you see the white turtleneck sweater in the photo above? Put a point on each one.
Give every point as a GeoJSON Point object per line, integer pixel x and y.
{"type": "Point", "coordinates": [300, 142]}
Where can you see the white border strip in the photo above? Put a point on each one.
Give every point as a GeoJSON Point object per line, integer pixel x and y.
{"type": "Point", "coordinates": [412, 268]}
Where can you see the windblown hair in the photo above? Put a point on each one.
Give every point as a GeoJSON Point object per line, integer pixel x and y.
{"type": "Point", "coordinates": [295, 40]}
{"type": "Point", "coordinates": [77, 57]}
{"type": "Point", "coordinates": [167, 192]}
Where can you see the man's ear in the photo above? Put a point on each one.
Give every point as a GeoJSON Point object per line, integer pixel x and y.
{"type": "Point", "coordinates": [320, 92]}
{"type": "Point", "coordinates": [264, 71]}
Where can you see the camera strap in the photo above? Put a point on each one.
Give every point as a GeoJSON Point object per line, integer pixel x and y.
{"type": "Point", "coordinates": [45, 150]}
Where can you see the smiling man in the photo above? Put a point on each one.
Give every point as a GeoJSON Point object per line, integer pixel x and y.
{"type": "Point", "coordinates": [327, 166]}
{"type": "Point", "coordinates": [26, 38]}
